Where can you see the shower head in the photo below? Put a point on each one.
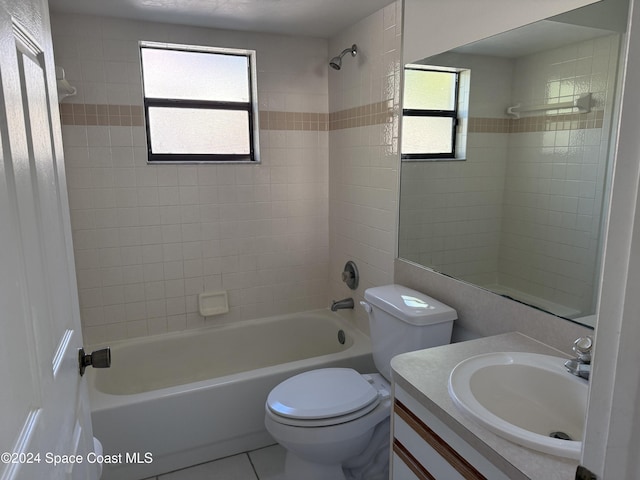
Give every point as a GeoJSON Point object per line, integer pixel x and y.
{"type": "Point", "coordinates": [336, 62]}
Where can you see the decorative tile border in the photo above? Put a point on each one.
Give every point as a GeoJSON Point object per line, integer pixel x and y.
{"type": "Point", "coordinates": [100, 114]}
{"type": "Point", "coordinates": [538, 123]}
{"type": "Point", "coordinates": [272, 120]}
{"type": "Point", "coordinates": [132, 115]}
{"type": "Point", "coordinates": [373, 114]}
{"type": "Point", "coordinates": [488, 125]}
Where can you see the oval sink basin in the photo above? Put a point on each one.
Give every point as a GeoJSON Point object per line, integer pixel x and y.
{"type": "Point", "coordinates": [527, 398]}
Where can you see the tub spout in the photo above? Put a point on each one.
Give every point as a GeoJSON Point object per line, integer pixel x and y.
{"type": "Point", "coordinates": [341, 304]}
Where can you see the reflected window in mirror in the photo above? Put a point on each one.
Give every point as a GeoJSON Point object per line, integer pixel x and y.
{"type": "Point", "coordinates": [434, 113]}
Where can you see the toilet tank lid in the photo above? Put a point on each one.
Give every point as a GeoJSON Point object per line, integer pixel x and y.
{"type": "Point", "coordinates": [409, 305]}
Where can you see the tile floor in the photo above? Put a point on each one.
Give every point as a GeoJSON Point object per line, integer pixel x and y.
{"type": "Point", "coordinates": [263, 464]}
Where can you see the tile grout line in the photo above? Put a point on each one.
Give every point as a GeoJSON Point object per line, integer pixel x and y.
{"type": "Point", "coordinates": [255, 472]}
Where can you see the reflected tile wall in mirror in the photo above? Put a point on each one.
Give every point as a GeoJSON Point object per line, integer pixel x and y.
{"type": "Point", "coordinates": [522, 216]}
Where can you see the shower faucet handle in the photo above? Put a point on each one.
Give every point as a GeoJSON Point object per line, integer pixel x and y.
{"type": "Point", "coordinates": [347, 276]}
{"type": "Point", "coordinates": [350, 275]}
{"type": "Point", "coordinates": [97, 359]}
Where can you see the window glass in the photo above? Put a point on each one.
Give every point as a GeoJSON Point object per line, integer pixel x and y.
{"type": "Point", "coordinates": [429, 135]}
{"type": "Point", "coordinates": [198, 131]}
{"type": "Point", "coordinates": [195, 75]}
{"type": "Point", "coordinates": [430, 113]}
{"type": "Point", "coordinates": [429, 90]}
{"type": "Point", "coordinates": [200, 103]}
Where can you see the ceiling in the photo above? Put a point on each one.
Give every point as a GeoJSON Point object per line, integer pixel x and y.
{"type": "Point", "coordinates": [315, 18]}
{"type": "Point", "coordinates": [535, 37]}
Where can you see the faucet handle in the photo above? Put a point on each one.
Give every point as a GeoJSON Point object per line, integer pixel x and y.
{"type": "Point", "coordinates": [350, 275]}
{"type": "Point", "coordinates": [582, 348]}
{"type": "Point", "coordinates": [347, 276]}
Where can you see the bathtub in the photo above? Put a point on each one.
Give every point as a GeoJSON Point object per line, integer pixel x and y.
{"type": "Point", "coordinates": [175, 400]}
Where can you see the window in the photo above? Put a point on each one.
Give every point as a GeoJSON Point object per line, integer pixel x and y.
{"type": "Point", "coordinates": [200, 103]}
{"type": "Point", "coordinates": [430, 113]}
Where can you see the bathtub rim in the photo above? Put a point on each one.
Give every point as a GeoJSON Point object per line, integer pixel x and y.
{"type": "Point", "coordinates": [99, 400]}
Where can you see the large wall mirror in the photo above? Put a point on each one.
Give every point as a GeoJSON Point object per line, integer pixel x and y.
{"type": "Point", "coordinates": [522, 210]}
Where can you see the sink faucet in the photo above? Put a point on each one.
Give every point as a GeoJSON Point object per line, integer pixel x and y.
{"type": "Point", "coordinates": [340, 304]}
{"type": "Point", "coordinates": [581, 365]}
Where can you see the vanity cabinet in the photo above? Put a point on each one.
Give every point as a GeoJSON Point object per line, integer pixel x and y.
{"type": "Point", "coordinates": [424, 448]}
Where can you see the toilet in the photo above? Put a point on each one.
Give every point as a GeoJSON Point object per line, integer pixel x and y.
{"type": "Point", "coordinates": [334, 422]}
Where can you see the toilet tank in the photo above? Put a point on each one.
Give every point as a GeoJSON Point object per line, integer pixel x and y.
{"type": "Point", "coordinates": [403, 320]}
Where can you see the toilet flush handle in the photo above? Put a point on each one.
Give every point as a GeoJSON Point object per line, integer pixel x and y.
{"type": "Point", "coordinates": [366, 306]}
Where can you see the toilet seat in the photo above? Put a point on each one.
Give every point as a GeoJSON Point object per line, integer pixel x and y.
{"type": "Point", "coordinates": [322, 397]}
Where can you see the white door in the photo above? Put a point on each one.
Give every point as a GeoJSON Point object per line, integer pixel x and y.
{"type": "Point", "coordinates": [44, 404]}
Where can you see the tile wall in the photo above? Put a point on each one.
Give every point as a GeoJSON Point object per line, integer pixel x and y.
{"type": "Point", "coordinates": [555, 178]}
{"type": "Point", "coordinates": [482, 313]}
{"type": "Point", "coordinates": [147, 238]}
{"type": "Point", "coordinates": [451, 211]}
{"type": "Point", "coordinates": [363, 156]}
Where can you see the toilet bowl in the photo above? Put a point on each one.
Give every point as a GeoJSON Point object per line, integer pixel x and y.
{"type": "Point", "coordinates": [328, 416]}
{"type": "Point", "coordinates": [334, 422]}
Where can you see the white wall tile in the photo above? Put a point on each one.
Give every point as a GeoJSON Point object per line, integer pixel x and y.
{"type": "Point", "coordinates": [362, 196]}
{"type": "Point", "coordinates": [183, 229]}
{"type": "Point", "coordinates": [573, 167]}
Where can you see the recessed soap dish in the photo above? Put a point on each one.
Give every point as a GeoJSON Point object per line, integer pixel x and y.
{"type": "Point", "coordinates": [213, 303]}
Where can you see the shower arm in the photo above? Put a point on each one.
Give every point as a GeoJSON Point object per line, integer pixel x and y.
{"type": "Point", "coordinates": [353, 49]}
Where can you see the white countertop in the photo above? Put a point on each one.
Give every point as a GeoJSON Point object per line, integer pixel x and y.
{"type": "Point", "coordinates": [425, 374]}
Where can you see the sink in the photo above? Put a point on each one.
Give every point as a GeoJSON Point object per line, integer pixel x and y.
{"type": "Point", "coordinates": [527, 398]}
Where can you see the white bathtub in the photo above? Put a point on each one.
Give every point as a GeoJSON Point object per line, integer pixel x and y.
{"type": "Point", "coordinates": [195, 396]}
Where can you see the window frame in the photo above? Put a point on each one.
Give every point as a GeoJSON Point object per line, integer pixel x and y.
{"type": "Point", "coordinates": [251, 107]}
{"type": "Point", "coordinates": [435, 113]}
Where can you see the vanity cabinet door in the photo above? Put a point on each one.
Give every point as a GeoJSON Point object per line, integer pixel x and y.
{"type": "Point", "coordinates": [424, 448]}
{"type": "Point", "coordinates": [404, 469]}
